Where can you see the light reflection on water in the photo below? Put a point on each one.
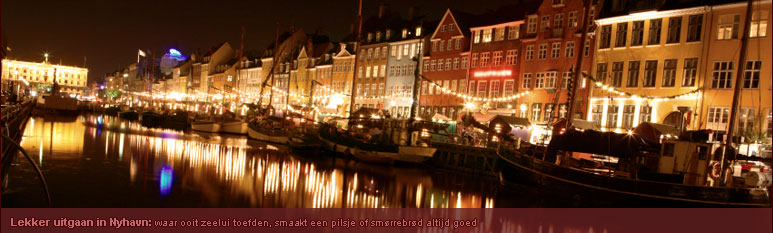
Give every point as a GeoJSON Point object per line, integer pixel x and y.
{"type": "Point", "coordinates": [103, 161]}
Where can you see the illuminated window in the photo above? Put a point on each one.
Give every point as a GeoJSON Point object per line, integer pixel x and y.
{"type": "Point", "coordinates": [434, 46]}
{"type": "Point", "coordinates": [484, 59]}
{"type": "Point", "coordinates": [383, 71]}
{"type": "Point", "coordinates": [486, 35]}
{"type": "Point", "coordinates": [548, 112]}
{"type": "Point", "coordinates": [497, 58]}
{"type": "Point", "coordinates": [628, 113]}
{"type": "Point", "coordinates": [717, 118]}
{"type": "Point", "coordinates": [494, 92]}
{"type": "Point", "coordinates": [535, 112]}
{"type": "Point", "coordinates": [513, 31]}
{"type": "Point", "coordinates": [612, 115]}
{"type": "Point", "coordinates": [500, 34]}
{"type": "Point", "coordinates": [476, 37]}
{"type": "Point", "coordinates": [567, 77]}
{"type": "Point", "coordinates": [472, 88]}
{"type": "Point", "coordinates": [545, 23]}
{"type": "Point", "coordinates": [690, 72]}
{"type": "Point", "coordinates": [511, 57]}
{"type": "Point", "coordinates": [474, 60]}
{"type": "Point", "coordinates": [509, 87]}
{"type": "Point", "coordinates": [759, 24]}
{"type": "Point", "coordinates": [440, 65]}
{"type": "Point", "coordinates": [572, 19]}
{"type": "Point", "coordinates": [728, 26]}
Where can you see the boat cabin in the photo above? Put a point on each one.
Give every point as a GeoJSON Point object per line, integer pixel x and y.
{"type": "Point", "coordinates": [692, 160]}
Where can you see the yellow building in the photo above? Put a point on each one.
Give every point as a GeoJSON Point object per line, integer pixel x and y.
{"type": "Point", "coordinates": [721, 68]}
{"type": "Point", "coordinates": [648, 64]}
{"type": "Point", "coordinates": [40, 75]}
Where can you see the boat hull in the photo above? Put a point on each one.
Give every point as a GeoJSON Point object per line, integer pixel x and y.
{"type": "Point", "coordinates": [212, 127]}
{"type": "Point", "coordinates": [263, 136]}
{"type": "Point", "coordinates": [129, 115]}
{"type": "Point", "coordinates": [615, 191]}
{"type": "Point", "coordinates": [377, 154]}
{"type": "Point", "coordinates": [151, 120]}
{"type": "Point", "coordinates": [236, 127]}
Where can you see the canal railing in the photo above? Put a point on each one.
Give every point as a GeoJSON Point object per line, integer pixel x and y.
{"type": "Point", "coordinates": [13, 121]}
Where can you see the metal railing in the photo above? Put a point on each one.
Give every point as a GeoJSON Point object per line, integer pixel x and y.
{"type": "Point", "coordinates": [14, 120]}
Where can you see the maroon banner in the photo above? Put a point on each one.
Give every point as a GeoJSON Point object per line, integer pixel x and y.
{"type": "Point", "coordinates": [388, 220]}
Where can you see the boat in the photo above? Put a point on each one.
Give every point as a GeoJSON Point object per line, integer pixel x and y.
{"type": "Point", "coordinates": [58, 103]}
{"type": "Point", "coordinates": [206, 126]}
{"type": "Point", "coordinates": [129, 115]}
{"type": "Point", "coordinates": [112, 111]}
{"type": "Point", "coordinates": [235, 126]}
{"type": "Point", "coordinates": [151, 119]}
{"type": "Point", "coordinates": [268, 130]}
{"type": "Point", "coordinates": [678, 178]}
{"type": "Point", "coordinates": [177, 120]}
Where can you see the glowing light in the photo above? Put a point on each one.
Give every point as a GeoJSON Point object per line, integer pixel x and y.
{"type": "Point", "coordinates": [174, 52]}
{"type": "Point", "coordinates": [492, 73]}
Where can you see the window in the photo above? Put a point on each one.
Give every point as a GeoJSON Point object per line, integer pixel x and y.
{"type": "Point", "coordinates": [531, 26]}
{"type": "Point", "coordinates": [509, 87]}
{"type": "Point", "coordinates": [717, 118]}
{"type": "Point", "coordinates": [486, 35]}
{"type": "Point", "coordinates": [728, 26]}
{"type": "Point", "coordinates": [453, 85]}
{"type": "Point", "coordinates": [448, 63]}
{"type": "Point", "coordinates": [617, 74]}
{"type": "Point", "coordinates": [383, 52]}
{"type": "Point", "coordinates": [529, 52]}
{"type": "Point", "coordinates": [759, 24]}
{"type": "Point", "coordinates": [476, 37]}
{"type": "Point", "coordinates": [426, 68]}
{"type": "Point", "coordinates": [432, 66]}
{"type": "Point", "coordinates": [370, 53]}
{"type": "Point", "coordinates": [375, 71]}
{"type": "Point", "coordinates": [690, 72]}
{"type": "Point", "coordinates": [381, 89]}
{"type": "Point", "coordinates": [745, 120]}
{"type": "Point", "coordinates": [484, 59]}
{"type": "Point", "coordinates": [510, 57]}
{"type": "Point", "coordinates": [474, 60]}
{"type": "Point", "coordinates": [526, 81]}
{"type": "Point", "coordinates": [442, 45]}
{"type": "Point", "coordinates": [434, 46]}
{"type": "Point", "coordinates": [440, 65]}
{"type": "Point", "coordinates": [674, 29]}
{"type": "Point", "coordinates": [558, 21]}
{"type": "Point", "coordinates": [650, 73]}
{"type": "Point", "coordinates": [367, 72]}
{"type": "Point", "coordinates": [497, 58]}
{"type": "Point", "coordinates": [558, 2]}
{"type": "Point", "coordinates": [539, 81]}
{"type": "Point", "coordinates": [586, 50]}
{"type": "Point", "coordinates": [375, 53]}
{"type": "Point", "coordinates": [464, 62]}
{"type": "Point", "coordinates": [633, 74]}
{"type": "Point", "coordinates": [723, 75]}
{"type": "Point", "coordinates": [637, 33]}
{"type": "Point", "coordinates": [548, 112]}
{"type": "Point", "coordinates": [500, 34]}
{"type": "Point", "coordinates": [555, 51]}
{"type": "Point", "coordinates": [359, 89]}
{"type": "Point", "coordinates": [513, 31]}
{"type": "Point", "coordinates": [494, 93]}
{"type": "Point", "coordinates": [383, 71]}
{"type": "Point", "coordinates": [751, 76]}
{"type": "Point", "coordinates": [462, 86]}
{"type": "Point", "coordinates": [669, 73]}
{"type": "Point", "coordinates": [570, 49]}
{"type": "Point", "coordinates": [543, 51]}
{"type": "Point", "coordinates": [645, 114]}
{"type": "Point", "coordinates": [443, 28]}
{"type": "Point", "coordinates": [482, 88]}
{"type": "Point", "coordinates": [566, 79]}
{"type": "Point", "coordinates": [535, 112]}
{"type": "Point", "coordinates": [451, 27]}
{"type": "Point", "coordinates": [545, 23]}
{"type": "Point", "coordinates": [458, 43]}
{"type": "Point", "coordinates": [550, 79]}
{"type": "Point", "coordinates": [394, 50]}
{"type": "Point", "coordinates": [456, 63]}
{"type": "Point", "coordinates": [601, 72]}
{"type": "Point", "coordinates": [418, 29]}
{"type": "Point", "coordinates": [769, 117]}
{"type": "Point", "coordinates": [620, 34]}
{"type": "Point", "coordinates": [572, 19]}
{"type": "Point", "coordinates": [606, 34]}
{"type": "Point", "coordinates": [596, 112]}
{"type": "Point", "coordinates": [359, 72]}
{"type": "Point", "coordinates": [654, 34]}
{"type": "Point", "coordinates": [628, 113]}
{"type": "Point", "coordinates": [472, 88]}
{"type": "Point", "coordinates": [694, 25]}
{"type": "Point", "coordinates": [612, 116]}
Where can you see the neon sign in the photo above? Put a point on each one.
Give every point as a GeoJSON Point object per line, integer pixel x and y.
{"type": "Point", "coordinates": [492, 73]}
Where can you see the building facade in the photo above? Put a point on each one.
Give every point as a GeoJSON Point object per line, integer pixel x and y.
{"type": "Point", "coordinates": [42, 75]}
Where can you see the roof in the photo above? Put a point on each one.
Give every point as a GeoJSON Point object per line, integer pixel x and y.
{"type": "Point", "coordinates": [625, 7]}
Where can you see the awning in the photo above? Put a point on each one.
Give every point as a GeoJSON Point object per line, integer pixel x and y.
{"type": "Point", "coordinates": [652, 131]}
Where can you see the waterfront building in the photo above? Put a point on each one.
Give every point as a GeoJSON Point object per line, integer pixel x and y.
{"type": "Point", "coordinates": [339, 87]}
{"type": "Point", "coordinates": [404, 61]}
{"type": "Point", "coordinates": [40, 76]}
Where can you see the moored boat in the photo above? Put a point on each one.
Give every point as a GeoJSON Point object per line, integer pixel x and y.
{"type": "Point", "coordinates": [235, 126]}
{"type": "Point", "coordinates": [177, 120]}
{"type": "Point", "coordinates": [266, 131]}
{"type": "Point", "coordinates": [151, 119]}
{"type": "Point", "coordinates": [129, 115]}
{"type": "Point", "coordinates": [206, 126]}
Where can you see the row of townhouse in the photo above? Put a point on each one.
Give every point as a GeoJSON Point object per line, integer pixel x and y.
{"type": "Point", "coordinates": [663, 49]}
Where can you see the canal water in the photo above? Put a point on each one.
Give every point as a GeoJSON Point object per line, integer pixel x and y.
{"type": "Point", "coordinates": [104, 161]}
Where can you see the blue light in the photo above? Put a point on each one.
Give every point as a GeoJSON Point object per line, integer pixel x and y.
{"type": "Point", "coordinates": [175, 53]}
{"type": "Point", "coordinates": [165, 180]}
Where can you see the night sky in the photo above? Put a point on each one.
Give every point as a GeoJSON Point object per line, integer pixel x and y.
{"type": "Point", "coordinates": [108, 33]}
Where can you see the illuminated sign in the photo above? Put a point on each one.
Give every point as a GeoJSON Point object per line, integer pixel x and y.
{"type": "Point", "coordinates": [175, 53]}
{"type": "Point", "coordinates": [492, 73]}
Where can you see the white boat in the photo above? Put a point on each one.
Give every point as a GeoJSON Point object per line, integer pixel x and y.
{"type": "Point", "coordinates": [233, 126]}
{"type": "Point", "coordinates": [255, 132]}
{"type": "Point", "coordinates": [206, 126]}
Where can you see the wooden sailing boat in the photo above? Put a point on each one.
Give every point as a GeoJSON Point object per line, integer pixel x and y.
{"type": "Point", "coordinates": [266, 127]}
{"type": "Point", "coordinates": [608, 186]}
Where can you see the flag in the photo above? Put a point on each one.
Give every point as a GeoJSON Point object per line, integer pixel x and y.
{"type": "Point", "coordinates": [141, 53]}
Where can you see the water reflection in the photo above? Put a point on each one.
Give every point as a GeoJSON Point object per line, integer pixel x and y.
{"type": "Point", "coordinates": [103, 161]}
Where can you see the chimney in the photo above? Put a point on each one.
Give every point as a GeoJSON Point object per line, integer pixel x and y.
{"type": "Point", "coordinates": [383, 9]}
{"type": "Point", "coordinates": [412, 12]}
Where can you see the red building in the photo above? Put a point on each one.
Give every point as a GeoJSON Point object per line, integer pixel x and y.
{"type": "Point", "coordinates": [550, 49]}
{"type": "Point", "coordinates": [446, 65]}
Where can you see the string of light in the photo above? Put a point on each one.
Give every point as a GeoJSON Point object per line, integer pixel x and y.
{"type": "Point", "coordinates": [473, 98]}
{"type": "Point", "coordinates": [610, 89]}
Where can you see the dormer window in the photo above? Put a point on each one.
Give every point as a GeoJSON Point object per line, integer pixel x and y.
{"type": "Point", "coordinates": [418, 31]}
{"type": "Point", "coordinates": [558, 3]}
{"type": "Point", "coordinates": [388, 33]}
{"type": "Point", "coordinates": [405, 33]}
{"type": "Point", "coordinates": [378, 36]}
{"type": "Point", "coordinates": [370, 36]}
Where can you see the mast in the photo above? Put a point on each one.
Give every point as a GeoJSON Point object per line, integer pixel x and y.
{"type": "Point", "coordinates": [273, 66]}
{"type": "Point", "coordinates": [738, 81]}
{"type": "Point", "coordinates": [357, 58]}
{"type": "Point", "coordinates": [578, 67]}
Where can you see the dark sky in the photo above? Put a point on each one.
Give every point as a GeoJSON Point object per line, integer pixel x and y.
{"type": "Point", "coordinates": [109, 32]}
